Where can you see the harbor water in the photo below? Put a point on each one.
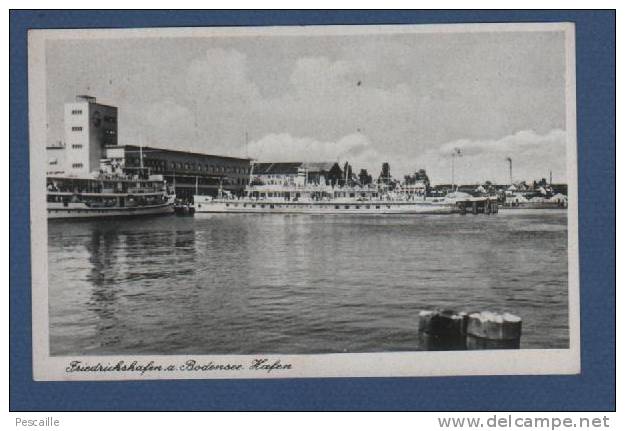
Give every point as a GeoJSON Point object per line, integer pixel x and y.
{"type": "Point", "coordinates": [254, 283]}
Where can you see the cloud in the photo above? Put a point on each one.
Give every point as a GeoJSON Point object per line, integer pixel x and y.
{"type": "Point", "coordinates": [525, 142]}
{"type": "Point", "coordinates": [534, 156]}
{"type": "Point", "coordinates": [319, 76]}
{"type": "Point", "coordinates": [159, 124]}
{"type": "Point", "coordinates": [220, 75]}
{"type": "Point", "coordinates": [328, 100]}
{"type": "Point", "coordinates": [355, 148]}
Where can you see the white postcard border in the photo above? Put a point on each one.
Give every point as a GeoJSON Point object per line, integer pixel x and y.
{"type": "Point", "coordinates": [454, 363]}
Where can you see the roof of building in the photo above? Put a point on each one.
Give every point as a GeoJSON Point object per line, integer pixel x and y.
{"type": "Point", "coordinates": [148, 150]}
{"type": "Point", "coordinates": [85, 98]}
{"type": "Point", "coordinates": [319, 166]}
{"type": "Point", "coordinates": [289, 168]}
{"type": "Point", "coordinates": [276, 168]}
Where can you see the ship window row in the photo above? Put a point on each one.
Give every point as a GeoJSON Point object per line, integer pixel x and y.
{"type": "Point", "coordinates": [77, 165]}
{"type": "Point", "coordinates": [76, 128]}
{"type": "Point", "coordinates": [337, 207]}
{"type": "Point", "coordinates": [76, 146]}
{"type": "Point", "coordinates": [347, 207]}
{"type": "Point", "coordinates": [76, 111]}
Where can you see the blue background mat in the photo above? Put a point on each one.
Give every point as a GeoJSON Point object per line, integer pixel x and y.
{"type": "Point", "coordinates": [594, 389]}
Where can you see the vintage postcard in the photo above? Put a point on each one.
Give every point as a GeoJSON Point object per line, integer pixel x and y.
{"type": "Point", "coordinates": [306, 201]}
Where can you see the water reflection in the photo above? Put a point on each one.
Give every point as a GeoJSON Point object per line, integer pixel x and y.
{"type": "Point", "coordinates": [299, 284]}
{"type": "Point", "coordinates": [104, 300]}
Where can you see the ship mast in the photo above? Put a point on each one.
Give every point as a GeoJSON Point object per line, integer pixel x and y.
{"type": "Point", "coordinates": [141, 157]}
{"type": "Point", "coordinates": [454, 154]}
{"type": "Point", "coordinates": [251, 161]}
{"type": "Point", "coordinates": [251, 172]}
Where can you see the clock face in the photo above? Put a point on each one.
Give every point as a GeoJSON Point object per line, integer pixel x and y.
{"type": "Point", "coordinates": [96, 119]}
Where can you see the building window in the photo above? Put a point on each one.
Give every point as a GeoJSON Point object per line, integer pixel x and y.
{"type": "Point", "coordinates": [76, 165]}
{"type": "Point", "coordinates": [77, 129]}
{"type": "Point", "coordinates": [76, 146]}
{"type": "Point", "coordinates": [76, 111]}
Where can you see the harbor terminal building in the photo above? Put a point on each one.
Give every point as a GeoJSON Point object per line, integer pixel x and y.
{"type": "Point", "coordinates": [89, 127]}
{"type": "Point", "coordinates": [190, 173]}
{"type": "Point", "coordinates": [91, 147]}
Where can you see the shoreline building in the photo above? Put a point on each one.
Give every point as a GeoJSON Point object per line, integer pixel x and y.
{"type": "Point", "coordinates": [292, 173]}
{"type": "Point", "coordinates": [89, 127]}
{"type": "Point", "coordinates": [91, 147]}
{"type": "Point", "coordinates": [189, 173]}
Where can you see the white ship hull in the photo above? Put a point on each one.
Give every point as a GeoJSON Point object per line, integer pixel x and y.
{"type": "Point", "coordinates": [207, 205]}
{"type": "Point", "coordinates": [82, 211]}
{"type": "Point", "coordinates": [107, 196]}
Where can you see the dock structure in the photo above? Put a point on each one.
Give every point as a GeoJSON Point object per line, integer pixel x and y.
{"type": "Point", "coordinates": [477, 205]}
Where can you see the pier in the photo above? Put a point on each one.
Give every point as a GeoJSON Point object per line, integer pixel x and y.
{"type": "Point", "coordinates": [478, 205]}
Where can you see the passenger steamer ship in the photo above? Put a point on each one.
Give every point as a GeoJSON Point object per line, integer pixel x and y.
{"type": "Point", "coordinates": [316, 199]}
{"type": "Point", "coordinates": [107, 195]}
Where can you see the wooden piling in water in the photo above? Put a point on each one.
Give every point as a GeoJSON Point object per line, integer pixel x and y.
{"type": "Point", "coordinates": [445, 323]}
{"type": "Point", "coordinates": [494, 326]}
{"type": "Point", "coordinates": [451, 330]}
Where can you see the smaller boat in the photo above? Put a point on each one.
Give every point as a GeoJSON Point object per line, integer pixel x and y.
{"type": "Point", "coordinates": [184, 209]}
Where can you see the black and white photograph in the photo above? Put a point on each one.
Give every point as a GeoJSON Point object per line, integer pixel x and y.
{"type": "Point", "coordinates": [311, 201]}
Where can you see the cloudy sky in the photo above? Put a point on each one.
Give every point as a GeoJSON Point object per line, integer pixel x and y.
{"type": "Point", "coordinates": [408, 99]}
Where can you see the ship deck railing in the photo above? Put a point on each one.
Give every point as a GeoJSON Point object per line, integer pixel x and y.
{"type": "Point", "coordinates": [106, 194]}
